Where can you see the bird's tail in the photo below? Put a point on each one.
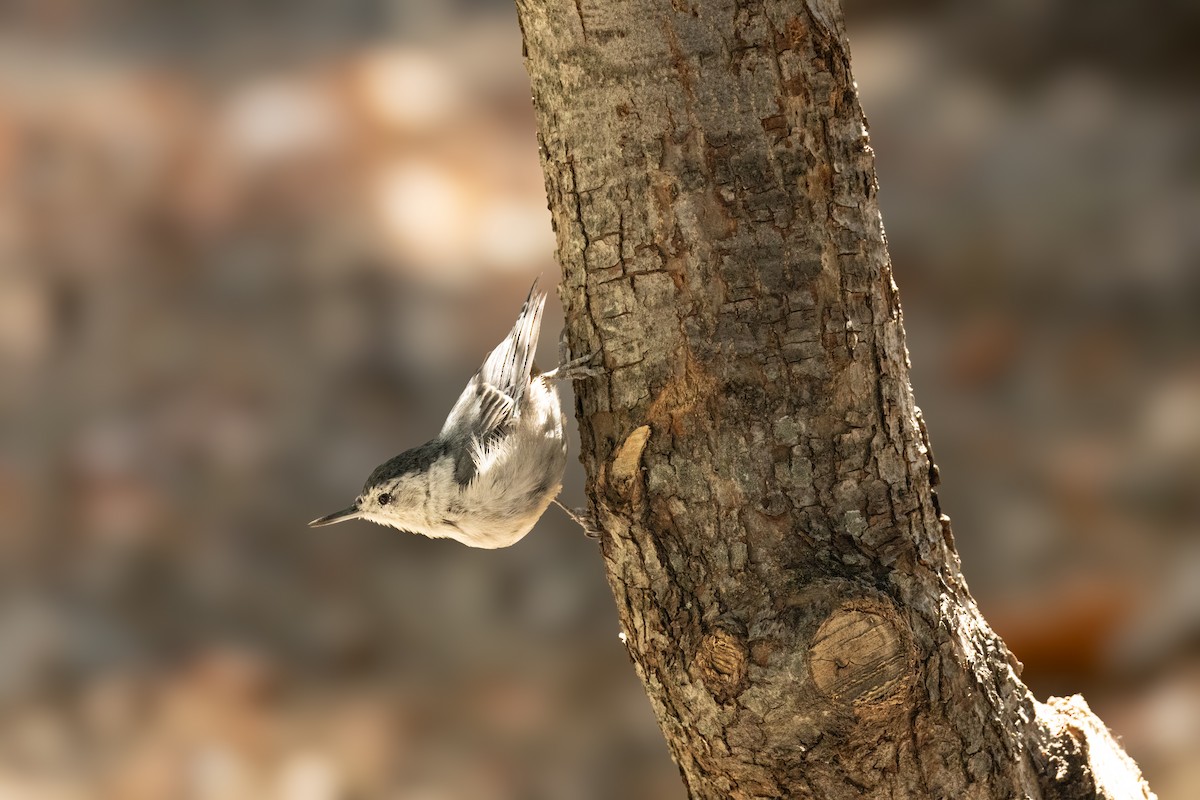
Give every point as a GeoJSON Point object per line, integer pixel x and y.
{"type": "Point", "coordinates": [508, 366]}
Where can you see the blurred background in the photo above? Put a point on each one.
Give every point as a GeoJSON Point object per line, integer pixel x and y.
{"type": "Point", "coordinates": [248, 251]}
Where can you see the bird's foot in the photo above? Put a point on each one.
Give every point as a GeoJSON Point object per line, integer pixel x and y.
{"type": "Point", "coordinates": [574, 370]}
{"type": "Point", "coordinates": [571, 369]}
{"type": "Point", "coordinates": [584, 519]}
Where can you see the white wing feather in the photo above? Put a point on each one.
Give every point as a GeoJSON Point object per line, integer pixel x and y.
{"type": "Point", "coordinates": [492, 399]}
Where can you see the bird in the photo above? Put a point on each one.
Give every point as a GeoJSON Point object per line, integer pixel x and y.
{"type": "Point", "coordinates": [498, 462]}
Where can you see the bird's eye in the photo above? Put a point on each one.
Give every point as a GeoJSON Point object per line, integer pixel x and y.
{"type": "Point", "coordinates": [384, 499]}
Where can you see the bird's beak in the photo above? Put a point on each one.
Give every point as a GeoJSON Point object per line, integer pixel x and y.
{"type": "Point", "coordinates": [337, 516]}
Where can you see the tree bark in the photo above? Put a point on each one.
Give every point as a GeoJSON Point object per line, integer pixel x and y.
{"type": "Point", "coordinates": [787, 583]}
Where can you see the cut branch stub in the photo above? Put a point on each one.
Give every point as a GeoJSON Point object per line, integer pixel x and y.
{"type": "Point", "coordinates": [863, 655]}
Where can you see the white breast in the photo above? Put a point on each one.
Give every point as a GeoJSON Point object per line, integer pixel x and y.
{"type": "Point", "coordinates": [514, 482]}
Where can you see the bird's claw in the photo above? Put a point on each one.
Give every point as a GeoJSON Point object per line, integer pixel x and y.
{"type": "Point", "coordinates": [574, 370]}
{"type": "Point", "coordinates": [584, 519]}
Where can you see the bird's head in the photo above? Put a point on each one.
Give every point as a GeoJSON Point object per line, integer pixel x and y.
{"type": "Point", "coordinates": [392, 502]}
{"type": "Point", "coordinates": [394, 494]}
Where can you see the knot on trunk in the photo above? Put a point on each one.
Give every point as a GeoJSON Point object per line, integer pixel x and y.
{"type": "Point", "coordinates": [862, 655]}
{"type": "Point", "coordinates": [721, 661]}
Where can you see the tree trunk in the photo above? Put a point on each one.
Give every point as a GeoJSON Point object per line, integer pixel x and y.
{"type": "Point", "coordinates": [787, 583]}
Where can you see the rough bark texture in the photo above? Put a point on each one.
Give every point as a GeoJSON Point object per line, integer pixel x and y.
{"type": "Point", "coordinates": [786, 580]}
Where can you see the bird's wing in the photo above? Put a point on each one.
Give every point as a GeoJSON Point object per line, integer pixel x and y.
{"type": "Point", "coordinates": [492, 399]}
{"type": "Point", "coordinates": [507, 368]}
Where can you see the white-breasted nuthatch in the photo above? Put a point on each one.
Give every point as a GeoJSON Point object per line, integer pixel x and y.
{"type": "Point", "coordinates": [498, 462]}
